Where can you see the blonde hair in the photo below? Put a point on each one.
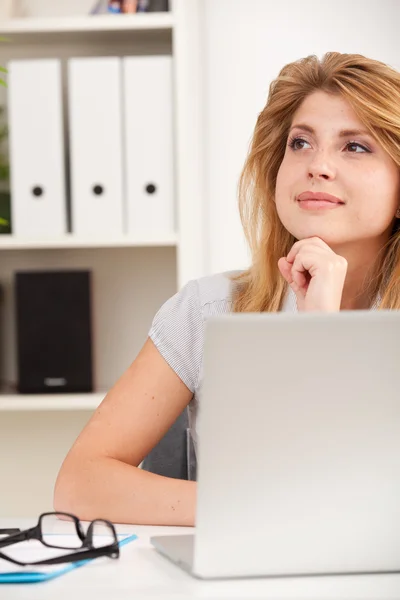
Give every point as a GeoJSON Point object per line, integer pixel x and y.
{"type": "Point", "coordinates": [373, 90]}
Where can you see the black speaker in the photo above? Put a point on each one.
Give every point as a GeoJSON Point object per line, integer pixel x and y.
{"type": "Point", "coordinates": [54, 334]}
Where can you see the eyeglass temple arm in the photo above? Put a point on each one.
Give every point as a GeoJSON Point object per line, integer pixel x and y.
{"type": "Point", "coordinates": [12, 560]}
{"type": "Point", "coordinates": [17, 537]}
{"type": "Point", "coordinates": [77, 556]}
{"type": "Point", "coordinates": [83, 554]}
{"type": "Point", "coordinates": [9, 530]}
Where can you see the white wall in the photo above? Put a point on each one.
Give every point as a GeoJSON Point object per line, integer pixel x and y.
{"type": "Point", "coordinates": [33, 446]}
{"type": "Point", "coordinates": [247, 43]}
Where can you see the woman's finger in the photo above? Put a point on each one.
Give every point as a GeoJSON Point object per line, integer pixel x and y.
{"type": "Point", "coordinates": [299, 272]}
{"type": "Point", "coordinates": [285, 269]}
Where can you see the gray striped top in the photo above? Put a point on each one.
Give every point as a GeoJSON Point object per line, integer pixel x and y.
{"type": "Point", "coordinates": [178, 328]}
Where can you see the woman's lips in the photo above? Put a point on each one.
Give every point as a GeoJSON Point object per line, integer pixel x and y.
{"type": "Point", "coordinates": [318, 204]}
{"type": "Point", "coordinates": [318, 200]}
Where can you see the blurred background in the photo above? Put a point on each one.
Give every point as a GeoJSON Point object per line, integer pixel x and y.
{"type": "Point", "coordinates": [123, 130]}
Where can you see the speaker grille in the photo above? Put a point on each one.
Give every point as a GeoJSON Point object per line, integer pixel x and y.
{"type": "Point", "coordinates": [54, 337]}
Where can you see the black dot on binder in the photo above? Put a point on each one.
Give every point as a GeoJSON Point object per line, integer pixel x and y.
{"type": "Point", "coordinates": [151, 188]}
{"type": "Point", "coordinates": [98, 190]}
{"type": "Point", "coordinates": [37, 191]}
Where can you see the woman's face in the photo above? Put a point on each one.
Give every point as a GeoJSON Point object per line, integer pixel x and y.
{"type": "Point", "coordinates": [329, 151]}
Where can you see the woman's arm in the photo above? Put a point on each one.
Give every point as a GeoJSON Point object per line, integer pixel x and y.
{"type": "Point", "coordinates": [100, 477]}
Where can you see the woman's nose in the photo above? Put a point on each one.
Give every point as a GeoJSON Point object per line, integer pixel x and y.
{"type": "Point", "coordinates": [321, 167]}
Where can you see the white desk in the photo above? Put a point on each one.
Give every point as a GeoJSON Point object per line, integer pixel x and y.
{"type": "Point", "coordinates": [141, 573]}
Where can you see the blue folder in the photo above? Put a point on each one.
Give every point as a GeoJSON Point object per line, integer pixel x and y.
{"type": "Point", "coordinates": [37, 576]}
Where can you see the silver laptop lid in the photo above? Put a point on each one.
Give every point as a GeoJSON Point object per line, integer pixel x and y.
{"type": "Point", "coordinates": [299, 444]}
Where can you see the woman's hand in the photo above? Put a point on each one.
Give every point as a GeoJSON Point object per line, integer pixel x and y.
{"type": "Point", "coordinates": [316, 275]}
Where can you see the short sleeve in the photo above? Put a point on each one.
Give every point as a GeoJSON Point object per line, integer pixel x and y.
{"type": "Point", "coordinates": [177, 331]}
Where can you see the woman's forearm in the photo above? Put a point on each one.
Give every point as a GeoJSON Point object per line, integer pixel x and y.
{"type": "Point", "coordinates": [109, 489]}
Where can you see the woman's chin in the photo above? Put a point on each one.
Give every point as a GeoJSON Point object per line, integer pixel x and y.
{"type": "Point", "coordinates": [325, 235]}
{"type": "Point", "coordinates": [331, 231]}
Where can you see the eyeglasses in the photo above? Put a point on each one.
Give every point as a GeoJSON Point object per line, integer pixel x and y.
{"type": "Point", "coordinates": [100, 539]}
{"type": "Point", "coordinates": [9, 530]}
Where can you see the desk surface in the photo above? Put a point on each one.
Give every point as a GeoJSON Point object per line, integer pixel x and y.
{"type": "Point", "coordinates": [142, 573]}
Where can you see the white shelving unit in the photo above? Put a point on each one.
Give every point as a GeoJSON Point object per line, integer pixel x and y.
{"type": "Point", "coordinates": [100, 23]}
{"type": "Point", "coordinates": [11, 242]}
{"type": "Point", "coordinates": [131, 277]}
{"type": "Point", "coordinates": [50, 402]}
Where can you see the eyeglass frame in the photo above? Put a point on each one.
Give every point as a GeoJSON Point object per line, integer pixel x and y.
{"type": "Point", "coordinates": [86, 551]}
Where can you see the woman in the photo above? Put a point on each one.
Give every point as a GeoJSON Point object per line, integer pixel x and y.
{"type": "Point", "coordinates": [320, 203]}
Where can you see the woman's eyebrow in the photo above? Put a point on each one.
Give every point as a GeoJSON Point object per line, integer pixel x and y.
{"type": "Point", "coordinates": [343, 133]}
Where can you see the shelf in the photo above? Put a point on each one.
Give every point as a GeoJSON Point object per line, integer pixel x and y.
{"type": "Point", "coordinates": [50, 402]}
{"type": "Point", "coordinates": [144, 21]}
{"type": "Point", "coordinates": [11, 242]}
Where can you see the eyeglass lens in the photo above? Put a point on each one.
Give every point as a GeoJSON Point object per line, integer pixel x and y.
{"type": "Point", "coordinates": [55, 537]}
{"type": "Point", "coordinates": [102, 534]}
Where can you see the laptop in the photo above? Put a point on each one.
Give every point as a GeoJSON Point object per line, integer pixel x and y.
{"type": "Point", "coordinates": [299, 447]}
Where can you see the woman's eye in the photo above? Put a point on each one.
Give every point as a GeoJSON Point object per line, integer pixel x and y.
{"type": "Point", "coordinates": [294, 143]}
{"type": "Point", "coordinates": [351, 145]}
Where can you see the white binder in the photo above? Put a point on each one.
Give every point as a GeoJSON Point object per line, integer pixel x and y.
{"type": "Point", "coordinates": [95, 123]}
{"type": "Point", "coordinates": [147, 85]}
{"type": "Point", "coordinates": [38, 204]}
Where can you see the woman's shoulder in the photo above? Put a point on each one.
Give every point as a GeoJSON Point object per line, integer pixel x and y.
{"type": "Point", "coordinates": [215, 292]}
{"type": "Point", "coordinates": [177, 329]}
